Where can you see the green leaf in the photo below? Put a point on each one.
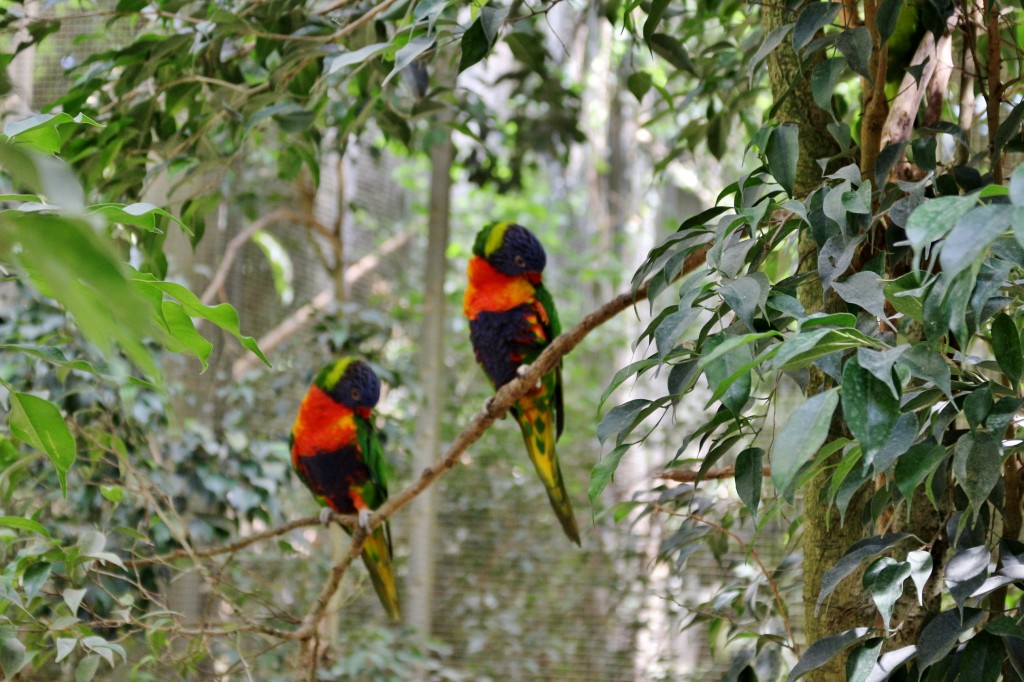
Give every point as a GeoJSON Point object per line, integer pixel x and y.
{"type": "Point", "coordinates": [934, 218]}
{"type": "Point", "coordinates": [814, 17]}
{"type": "Point", "coordinates": [409, 52]}
{"type": "Point", "coordinates": [880, 364]}
{"type": "Point", "coordinates": [924, 362]}
{"type": "Point", "coordinates": [940, 635]}
{"type": "Point", "coordinates": [527, 49]}
{"type": "Point", "coordinates": [901, 292]}
{"type": "Point", "coordinates": [782, 152]}
{"type": "Point", "coordinates": [746, 296]}
{"type": "Point", "coordinates": [12, 656]}
{"type": "Point", "coordinates": [34, 577]}
{"type": "Point", "coordinates": [183, 333]}
{"type": "Point", "coordinates": [86, 669]}
{"type": "Point", "coordinates": [21, 523]}
{"type": "Point", "coordinates": [38, 423]}
{"type": "Point", "coordinates": [672, 328]}
{"type": "Point", "coordinates": [863, 289]}
{"type": "Point", "coordinates": [983, 658]}
{"type": "Point", "coordinates": [223, 315]}
{"type": "Point", "coordinates": [604, 471]}
{"type": "Point", "coordinates": [355, 57]}
{"type": "Point", "coordinates": [69, 261]}
{"type": "Point", "coordinates": [65, 645]}
{"type": "Point", "coordinates": [884, 578]}
{"type": "Point", "coordinates": [141, 215]}
{"type": "Point", "coordinates": [824, 78]}
{"type": "Point", "coordinates": [749, 472]}
{"type": "Point", "coordinates": [886, 18]}
{"type": "Point", "coordinates": [112, 493]}
{"type": "Point", "coordinates": [768, 45]}
{"type": "Point", "coordinates": [654, 16]}
{"type": "Point", "coordinates": [479, 38]}
{"type": "Point", "coordinates": [671, 50]}
{"type": "Point", "coordinates": [50, 354]}
{"type": "Point", "coordinates": [803, 434]}
{"type": "Point", "coordinates": [639, 83]}
{"type": "Point", "coordinates": [977, 466]}
{"type": "Point", "coordinates": [862, 660]}
{"type": "Point", "coordinates": [825, 649]}
{"type": "Point", "coordinates": [915, 465]}
{"type": "Point", "coordinates": [972, 236]}
{"type": "Point", "coordinates": [73, 598]}
{"type": "Point", "coordinates": [920, 570]}
{"type": "Point", "coordinates": [719, 367]}
{"type": "Point", "coordinates": [850, 562]}
{"type": "Point", "coordinates": [977, 405]}
{"type": "Point", "coordinates": [42, 131]}
{"type": "Point", "coordinates": [1006, 346]}
{"type": "Point", "coordinates": [625, 373]}
{"type": "Point", "coordinates": [855, 44]}
{"type": "Point", "coordinates": [869, 408]}
{"type": "Point", "coordinates": [619, 419]}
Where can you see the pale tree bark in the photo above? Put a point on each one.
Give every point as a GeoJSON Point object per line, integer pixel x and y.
{"type": "Point", "coordinates": [418, 609]}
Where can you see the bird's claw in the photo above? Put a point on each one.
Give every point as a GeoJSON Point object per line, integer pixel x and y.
{"type": "Point", "coordinates": [364, 519]}
{"type": "Point", "coordinates": [522, 371]}
{"type": "Point", "coordinates": [326, 514]}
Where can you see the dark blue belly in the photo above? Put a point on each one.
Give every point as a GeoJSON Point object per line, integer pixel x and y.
{"type": "Point", "coordinates": [331, 474]}
{"type": "Point", "coordinates": [503, 341]}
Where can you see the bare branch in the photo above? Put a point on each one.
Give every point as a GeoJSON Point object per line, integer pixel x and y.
{"type": "Point", "coordinates": [239, 240]}
{"type": "Point", "coordinates": [343, 519]}
{"type": "Point", "coordinates": [783, 610]}
{"type": "Point", "coordinates": [503, 399]}
{"type": "Point", "coordinates": [304, 315]}
{"type": "Point", "coordinates": [691, 476]}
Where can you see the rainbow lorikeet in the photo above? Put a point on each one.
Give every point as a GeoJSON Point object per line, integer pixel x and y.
{"type": "Point", "coordinates": [512, 318]}
{"type": "Point", "coordinates": [336, 453]}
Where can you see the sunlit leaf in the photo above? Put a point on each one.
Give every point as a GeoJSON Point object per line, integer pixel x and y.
{"type": "Point", "coordinates": [39, 423]}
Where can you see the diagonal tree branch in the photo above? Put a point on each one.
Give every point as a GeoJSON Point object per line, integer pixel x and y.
{"type": "Point", "coordinates": [495, 408]}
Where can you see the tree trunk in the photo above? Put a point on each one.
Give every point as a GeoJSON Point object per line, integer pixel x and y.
{"type": "Point", "coordinates": [825, 540]}
{"type": "Point", "coordinates": [423, 512]}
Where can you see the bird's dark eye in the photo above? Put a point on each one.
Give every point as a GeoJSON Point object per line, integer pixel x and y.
{"type": "Point", "coordinates": [520, 262]}
{"type": "Point", "coordinates": [355, 394]}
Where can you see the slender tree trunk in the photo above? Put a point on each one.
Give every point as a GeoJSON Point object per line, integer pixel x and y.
{"type": "Point", "coordinates": [423, 514]}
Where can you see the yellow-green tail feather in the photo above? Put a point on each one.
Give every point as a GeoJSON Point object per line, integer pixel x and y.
{"type": "Point", "coordinates": [377, 557]}
{"type": "Point", "coordinates": [539, 435]}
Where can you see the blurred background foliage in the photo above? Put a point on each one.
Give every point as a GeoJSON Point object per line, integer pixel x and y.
{"type": "Point", "coordinates": [316, 120]}
{"type": "Point", "coordinates": [173, 169]}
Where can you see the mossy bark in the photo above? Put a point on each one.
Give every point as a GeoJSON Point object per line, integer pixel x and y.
{"type": "Point", "coordinates": [825, 539]}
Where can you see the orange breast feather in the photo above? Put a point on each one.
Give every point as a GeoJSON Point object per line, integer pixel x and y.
{"type": "Point", "coordinates": [322, 425]}
{"type": "Point", "coordinates": [491, 291]}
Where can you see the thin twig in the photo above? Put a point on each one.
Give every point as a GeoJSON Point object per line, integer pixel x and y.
{"type": "Point", "coordinates": [691, 476]}
{"type": "Point", "coordinates": [753, 554]}
{"type": "Point", "coordinates": [240, 239]}
{"type": "Point", "coordinates": [242, 543]}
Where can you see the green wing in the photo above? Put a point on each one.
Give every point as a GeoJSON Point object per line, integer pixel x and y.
{"type": "Point", "coordinates": [376, 489]}
{"type": "Point", "coordinates": [553, 328]}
